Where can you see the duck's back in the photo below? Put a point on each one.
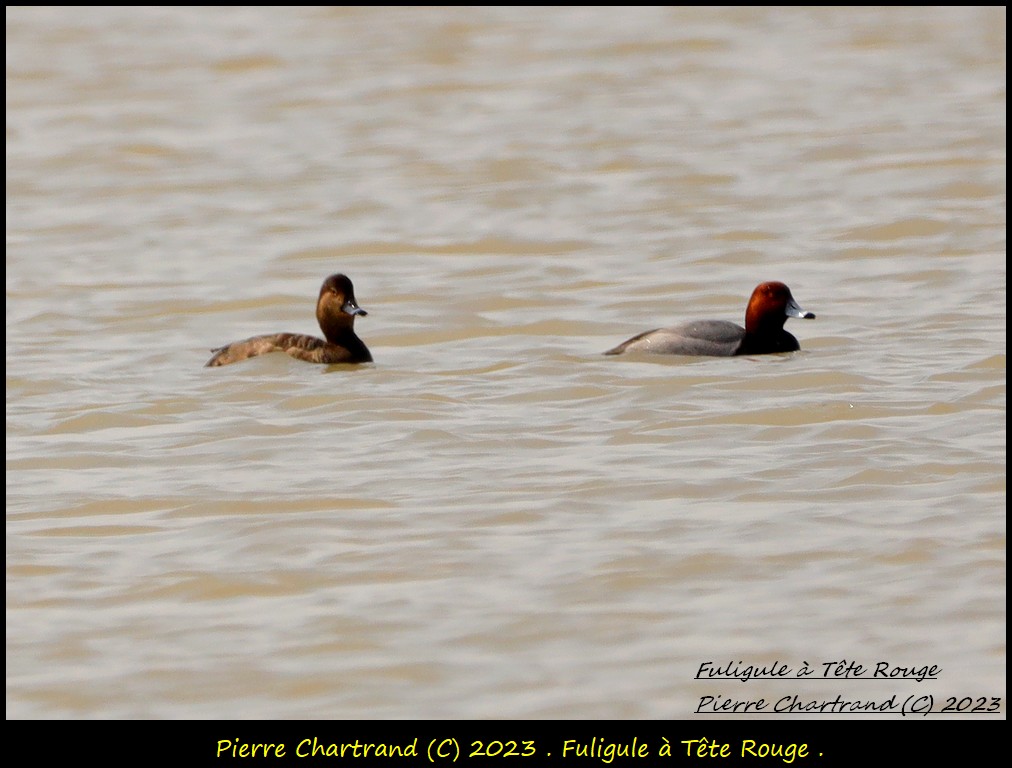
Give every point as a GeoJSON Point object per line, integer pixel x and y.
{"type": "Point", "coordinates": [349, 349]}
{"type": "Point", "coordinates": [716, 338]}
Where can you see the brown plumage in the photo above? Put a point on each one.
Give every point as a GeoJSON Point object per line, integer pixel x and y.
{"type": "Point", "coordinates": [336, 309]}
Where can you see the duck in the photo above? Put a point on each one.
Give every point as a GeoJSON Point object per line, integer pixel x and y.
{"type": "Point", "coordinates": [336, 310]}
{"type": "Point", "coordinates": [768, 309]}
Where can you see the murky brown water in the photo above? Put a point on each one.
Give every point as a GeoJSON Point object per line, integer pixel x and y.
{"type": "Point", "coordinates": [494, 520]}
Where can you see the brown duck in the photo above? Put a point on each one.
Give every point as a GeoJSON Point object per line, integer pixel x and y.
{"type": "Point", "coordinates": [335, 311]}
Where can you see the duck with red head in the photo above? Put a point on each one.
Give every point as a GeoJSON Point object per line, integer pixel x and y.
{"type": "Point", "coordinates": [768, 309]}
{"type": "Point", "coordinates": [336, 309]}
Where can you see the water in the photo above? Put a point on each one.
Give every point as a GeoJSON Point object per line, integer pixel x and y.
{"type": "Point", "coordinates": [494, 520]}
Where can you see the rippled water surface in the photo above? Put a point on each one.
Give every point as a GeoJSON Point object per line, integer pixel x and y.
{"type": "Point", "coordinates": [494, 520]}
